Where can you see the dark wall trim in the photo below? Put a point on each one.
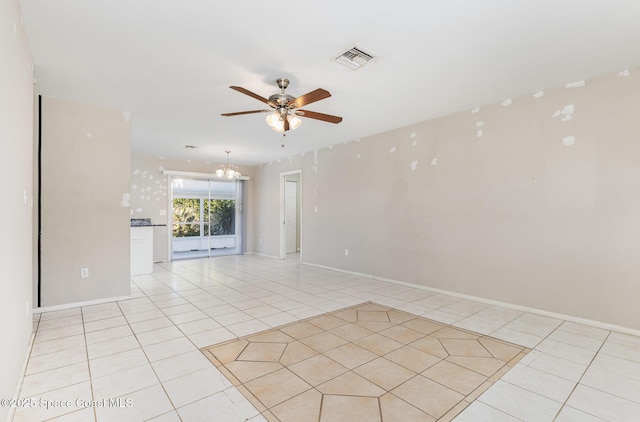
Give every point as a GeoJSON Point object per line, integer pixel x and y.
{"type": "Point", "coordinates": [39, 195]}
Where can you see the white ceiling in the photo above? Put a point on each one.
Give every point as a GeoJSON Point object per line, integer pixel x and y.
{"type": "Point", "coordinates": [170, 63]}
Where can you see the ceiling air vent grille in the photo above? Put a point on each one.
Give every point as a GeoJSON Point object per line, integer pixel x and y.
{"type": "Point", "coordinates": [354, 58]}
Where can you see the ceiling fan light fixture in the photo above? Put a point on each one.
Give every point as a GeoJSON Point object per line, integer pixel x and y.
{"type": "Point", "coordinates": [294, 121]}
{"type": "Point", "coordinates": [276, 121]}
{"type": "Point", "coordinates": [277, 125]}
{"type": "Point", "coordinates": [273, 119]}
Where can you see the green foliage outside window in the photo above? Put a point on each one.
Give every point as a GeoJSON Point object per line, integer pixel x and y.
{"type": "Point", "coordinates": [186, 217]}
{"type": "Point", "coordinates": [222, 214]}
{"type": "Point", "coordinates": [186, 210]}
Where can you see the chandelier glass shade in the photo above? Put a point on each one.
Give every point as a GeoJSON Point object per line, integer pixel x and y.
{"type": "Point", "coordinates": [228, 170]}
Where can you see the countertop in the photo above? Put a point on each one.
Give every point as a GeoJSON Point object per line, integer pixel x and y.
{"type": "Point", "coordinates": [144, 222]}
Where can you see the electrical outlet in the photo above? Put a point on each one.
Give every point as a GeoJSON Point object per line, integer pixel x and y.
{"type": "Point", "coordinates": [84, 272]}
{"type": "Point", "coordinates": [346, 252]}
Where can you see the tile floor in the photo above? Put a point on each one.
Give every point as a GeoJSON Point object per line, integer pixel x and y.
{"type": "Point", "coordinates": [143, 353]}
{"type": "Point", "coordinates": [368, 362]}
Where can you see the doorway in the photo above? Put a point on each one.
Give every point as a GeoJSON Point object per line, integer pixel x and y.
{"type": "Point", "coordinates": [291, 215]}
{"type": "Point", "coordinates": [207, 218]}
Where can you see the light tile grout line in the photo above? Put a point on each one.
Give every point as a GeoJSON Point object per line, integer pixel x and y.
{"type": "Point", "coordinates": [576, 382]}
{"type": "Point", "coordinates": [581, 377]}
{"type": "Point", "coordinates": [86, 351]}
{"type": "Point", "coordinates": [64, 366]}
{"type": "Point", "coordinates": [151, 365]}
{"type": "Point", "coordinates": [175, 409]}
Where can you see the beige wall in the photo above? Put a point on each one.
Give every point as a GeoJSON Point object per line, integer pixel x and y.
{"type": "Point", "coordinates": [150, 195]}
{"type": "Point", "coordinates": [16, 167]}
{"type": "Point", "coordinates": [533, 210]}
{"type": "Point", "coordinates": [266, 200]}
{"type": "Point", "coordinates": [85, 155]}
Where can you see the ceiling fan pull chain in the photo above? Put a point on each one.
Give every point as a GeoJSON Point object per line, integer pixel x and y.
{"type": "Point", "coordinates": [284, 135]}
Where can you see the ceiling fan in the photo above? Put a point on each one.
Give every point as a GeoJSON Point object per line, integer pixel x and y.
{"type": "Point", "coordinates": [285, 108]}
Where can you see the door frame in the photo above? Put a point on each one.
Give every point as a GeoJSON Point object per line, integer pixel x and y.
{"type": "Point", "coordinates": [283, 233]}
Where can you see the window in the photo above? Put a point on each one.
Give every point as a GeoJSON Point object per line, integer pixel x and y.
{"type": "Point", "coordinates": [187, 217]}
{"type": "Point", "coordinates": [203, 217]}
{"type": "Point", "coordinates": [222, 216]}
{"type": "Point", "coordinates": [207, 218]}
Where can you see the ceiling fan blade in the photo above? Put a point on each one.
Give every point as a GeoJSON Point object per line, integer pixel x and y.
{"type": "Point", "coordinates": [286, 124]}
{"type": "Point", "coordinates": [252, 94]}
{"type": "Point", "coordinates": [319, 116]}
{"type": "Point", "coordinates": [309, 97]}
{"type": "Point", "coordinates": [246, 112]}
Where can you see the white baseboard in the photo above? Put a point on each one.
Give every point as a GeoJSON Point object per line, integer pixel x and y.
{"type": "Point", "coordinates": [585, 321]}
{"type": "Point", "coordinates": [79, 304]}
{"type": "Point", "coordinates": [265, 255]}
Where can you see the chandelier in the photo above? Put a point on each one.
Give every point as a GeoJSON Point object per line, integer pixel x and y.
{"type": "Point", "coordinates": [227, 170]}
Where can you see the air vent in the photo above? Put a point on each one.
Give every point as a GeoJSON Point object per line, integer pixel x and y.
{"type": "Point", "coordinates": [354, 58]}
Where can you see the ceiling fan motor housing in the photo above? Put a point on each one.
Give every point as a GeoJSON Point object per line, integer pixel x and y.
{"type": "Point", "coordinates": [281, 99]}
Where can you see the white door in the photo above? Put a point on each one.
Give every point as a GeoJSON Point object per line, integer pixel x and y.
{"type": "Point", "coordinates": [290, 217]}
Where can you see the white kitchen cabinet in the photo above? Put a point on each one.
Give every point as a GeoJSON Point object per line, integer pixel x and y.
{"type": "Point", "coordinates": [141, 250]}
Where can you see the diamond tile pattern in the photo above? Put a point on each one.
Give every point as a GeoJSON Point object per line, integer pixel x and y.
{"type": "Point", "coordinates": [365, 362]}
